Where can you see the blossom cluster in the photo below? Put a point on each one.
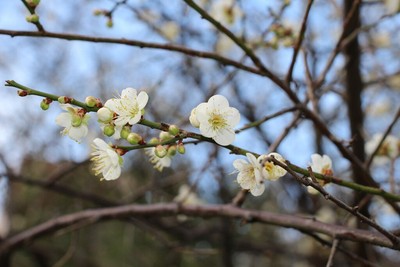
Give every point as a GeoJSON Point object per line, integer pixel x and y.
{"type": "Point", "coordinates": [215, 119]}
{"type": "Point", "coordinates": [253, 172]}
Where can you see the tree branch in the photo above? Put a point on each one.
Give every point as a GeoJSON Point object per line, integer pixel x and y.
{"type": "Point", "coordinates": [173, 209]}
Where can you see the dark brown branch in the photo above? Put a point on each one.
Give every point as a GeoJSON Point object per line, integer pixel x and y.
{"type": "Point", "coordinates": [248, 51]}
{"type": "Point", "coordinates": [173, 209]}
{"type": "Point", "coordinates": [298, 43]}
{"type": "Point", "coordinates": [129, 42]}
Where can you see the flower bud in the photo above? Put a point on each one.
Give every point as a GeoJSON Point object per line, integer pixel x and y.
{"type": "Point", "coordinates": [98, 12]}
{"type": "Point", "coordinates": [172, 151]}
{"type": "Point", "coordinates": [61, 100]}
{"type": "Point", "coordinates": [181, 148]}
{"type": "Point", "coordinates": [125, 131]}
{"type": "Point", "coordinates": [109, 130]}
{"type": "Point", "coordinates": [32, 3]}
{"type": "Point", "coordinates": [173, 130]}
{"type": "Point", "coordinates": [64, 100]}
{"type": "Point", "coordinates": [105, 115]}
{"type": "Point", "coordinates": [110, 23]}
{"type": "Point", "coordinates": [160, 151]}
{"type": "Point", "coordinates": [34, 18]}
{"type": "Point", "coordinates": [153, 141]}
{"type": "Point", "coordinates": [134, 138]}
{"type": "Point", "coordinates": [22, 93]}
{"type": "Point", "coordinates": [165, 136]}
{"type": "Point", "coordinates": [90, 101]}
{"type": "Point", "coordinates": [44, 104]}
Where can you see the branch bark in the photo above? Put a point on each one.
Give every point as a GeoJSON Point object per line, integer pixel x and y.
{"type": "Point", "coordinates": [207, 211]}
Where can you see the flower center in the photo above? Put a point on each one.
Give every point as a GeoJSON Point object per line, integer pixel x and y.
{"type": "Point", "coordinates": [268, 166]}
{"type": "Point", "coordinates": [327, 171]}
{"type": "Point", "coordinates": [217, 121]}
{"type": "Point", "coordinates": [134, 110]}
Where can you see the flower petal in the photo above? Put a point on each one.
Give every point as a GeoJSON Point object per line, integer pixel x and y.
{"type": "Point", "coordinates": [218, 102]}
{"type": "Point", "coordinates": [224, 137]}
{"type": "Point", "coordinates": [77, 133]}
{"type": "Point", "coordinates": [257, 190]}
{"type": "Point", "coordinates": [64, 119]}
{"type": "Point", "coordinates": [129, 93]}
{"type": "Point", "coordinates": [240, 164]}
{"type": "Point", "coordinates": [142, 100]}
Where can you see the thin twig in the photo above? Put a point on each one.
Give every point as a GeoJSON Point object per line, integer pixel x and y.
{"type": "Point", "coordinates": [385, 134]}
{"type": "Point", "coordinates": [135, 43]}
{"type": "Point", "coordinates": [248, 51]}
{"type": "Point", "coordinates": [333, 251]}
{"type": "Point", "coordinates": [298, 43]}
{"type": "Point", "coordinates": [266, 118]}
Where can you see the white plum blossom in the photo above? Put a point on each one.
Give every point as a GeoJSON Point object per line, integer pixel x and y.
{"type": "Point", "coordinates": [159, 163]}
{"type": "Point", "coordinates": [106, 160]}
{"type": "Point", "coordinates": [250, 174]}
{"type": "Point", "coordinates": [389, 149]}
{"type": "Point", "coordinates": [323, 165]}
{"type": "Point", "coordinates": [253, 172]}
{"type": "Point", "coordinates": [270, 171]}
{"type": "Point", "coordinates": [129, 108]}
{"type": "Point", "coordinates": [74, 122]}
{"type": "Point", "coordinates": [216, 120]}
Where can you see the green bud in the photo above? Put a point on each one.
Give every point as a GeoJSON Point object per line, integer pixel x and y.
{"type": "Point", "coordinates": [160, 151]}
{"type": "Point", "coordinates": [32, 3]}
{"type": "Point", "coordinates": [109, 130]}
{"type": "Point", "coordinates": [126, 130]}
{"type": "Point", "coordinates": [44, 105]}
{"type": "Point", "coordinates": [62, 100]}
{"type": "Point", "coordinates": [90, 101]}
{"type": "Point", "coordinates": [173, 130]}
{"type": "Point", "coordinates": [165, 136]}
{"type": "Point", "coordinates": [181, 148]}
{"type": "Point", "coordinates": [98, 12]}
{"type": "Point", "coordinates": [134, 138]}
{"type": "Point", "coordinates": [34, 18]}
{"type": "Point", "coordinates": [172, 151]}
{"type": "Point", "coordinates": [22, 93]}
{"type": "Point", "coordinates": [110, 23]}
{"type": "Point", "coordinates": [153, 141]}
{"type": "Point", "coordinates": [105, 115]}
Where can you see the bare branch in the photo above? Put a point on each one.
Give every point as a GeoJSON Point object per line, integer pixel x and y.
{"type": "Point", "coordinates": [173, 209]}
